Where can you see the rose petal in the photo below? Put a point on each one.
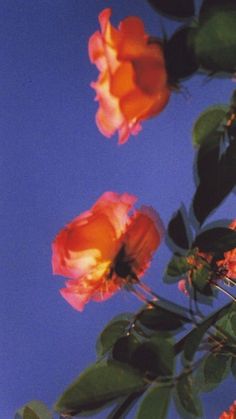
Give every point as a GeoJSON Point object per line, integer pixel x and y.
{"type": "Point", "coordinates": [142, 238]}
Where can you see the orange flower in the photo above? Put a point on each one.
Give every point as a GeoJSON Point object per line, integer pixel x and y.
{"type": "Point", "coordinates": [231, 414]}
{"type": "Point", "coordinates": [104, 248]}
{"type": "Point", "coordinates": [132, 85]}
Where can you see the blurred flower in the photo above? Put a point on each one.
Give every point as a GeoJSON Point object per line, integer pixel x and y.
{"type": "Point", "coordinates": [229, 261]}
{"type": "Point", "coordinates": [223, 269]}
{"type": "Point", "coordinates": [182, 286]}
{"type": "Point", "coordinates": [105, 248]}
{"type": "Point", "coordinates": [132, 85]}
{"type": "Point", "coordinates": [231, 414]}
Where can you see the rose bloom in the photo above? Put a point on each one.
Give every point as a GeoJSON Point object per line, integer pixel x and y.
{"type": "Point", "coordinates": [105, 248]}
{"type": "Point", "coordinates": [231, 413]}
{"type": "Point", "coordinates": [132, 85]}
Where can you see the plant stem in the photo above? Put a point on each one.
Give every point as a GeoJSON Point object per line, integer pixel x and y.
{"type": "Point", "coordinates": [225, 292]}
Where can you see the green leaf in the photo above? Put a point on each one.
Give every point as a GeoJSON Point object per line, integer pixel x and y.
{"type": "Point", "coordinates": [36, 408]}
{"type": "Point", "coordinates": [98, 385]}
{"type": "Point", "coordinates": [233, 322]}
{"type": "Point", "coordinates": [180, 9]}
{"type": "Point", "coordinates": [155, 403]}
{"type": "Point", "coordinates": [228, 167]}
{"type": "Point", "coordinates": [216, 367]}
{"type": "Point", "coordinates": [177, 266]}
{"type": "Point", "coordinates": [212, 371]}
{"type": "Point", "coordinates": [159, 319]}
{"type": "Point", "coordinates": [216, 240]}
{"type": "Point", "coordinates": [200, 280]}
{"type": "Point", "coordinates": [112, 332]}
{"type": "Point", "coordinates": [217, 179]}
{"type": "Point", "coordinates": [216, 170]}
{"type": "Point", "coordinates": [228, 326]}
{"type": "Point", "coordinates": [154, 357]}
{"type": "Point", "coordinates": [179, 54]}
{"type": "Point", "coordinates": [208, 128]}
{"type": "Point", "coordinates": [177, 230]}
{"type": "Point", "coordinates": [192, 341]}
{"type": "Point", "coordinates": [210, 6]}
{"type": "Point", "coordinates": [186, 400]}
{"type": "Point", "coordinates": [233, 367]}
{"type": "Point", "coordinates": [208, 194]}
{"type": "Point", "coordinates": [215, 41]}
{"type": "Point", "coordinates": [173, 308]}
{"type": "Point", "coordinates": [124, 347]}
{"type": "Point", "coordinates": [29, 414]}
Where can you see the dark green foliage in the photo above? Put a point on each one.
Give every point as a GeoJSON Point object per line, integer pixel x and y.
{"type": "Point", "coordinates": [209, 127]}
{"type": "Point", "coordinates": [195, 337]}
{"type": "Point", "coordinates": [210, 6]}
{"type": "Point", "coordinates": [34, 410]}
{"type": "Point", "coordinates": [155, 403]}
{"type": "Point", "coordinates": [216, 170]}
{"type": "Point", "coordinates": [215, 369]}
{"type": "Point", "coordinates": [159, 319]}
{"type": "Point", "coordinates": [179, 55]}
{"type": "Point", "coordinates": [180, 9]}
{"type": "Point", "coordinates": [201, 280]}
{"type": "Point", "coordinates": [177, 230]}
{"type": "Point", "coordinates": [215, 41]}
{"type": "Point", "coordinates": [114, 330]}
{"type": "Point", "coordinates": [30, 414]}
{"type": "Point", "coordinates": [177, 266]}
{"type": "Point", "coordinates": [98, 385]}
{"type": "Point", "coordinates": [216, 240]}
{"type": "Point", "coordinates": [233, 366]}
{"type": "Point", "coordinates": [124, 348]}
{"type": "Point", "coordinates": [154, 357]}
{"type": "Point", "coordinates": [186, 398]}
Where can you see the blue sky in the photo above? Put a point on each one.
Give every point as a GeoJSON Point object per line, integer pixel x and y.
{"type": "Point", "coordinates": [54, 165]}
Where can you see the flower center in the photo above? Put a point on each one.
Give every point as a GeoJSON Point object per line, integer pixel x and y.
{"type": "Point", "coordinates": [122, 266]}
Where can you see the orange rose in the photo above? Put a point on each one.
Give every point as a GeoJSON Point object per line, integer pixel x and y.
{"type": "Point", "coordinates": [132, 85]}
{"type": "Point", "coordinates": [104, 248]}
{"type": "Point", "coordinates": [231, 414]}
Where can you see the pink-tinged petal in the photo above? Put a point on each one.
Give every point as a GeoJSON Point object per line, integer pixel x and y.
{"type": "Point", "coordinates": [116, 207]}
{"type": "Point", "coordinates": [97, 51]}
{"type": "Point", "coordinates": [77, 301]}
{"type": "Point", "coordinates": [233, 225]}
{"type": "Point", "coordinates": [110, 35]}
{"type": "Point", "coordinates": [106, 291]}
{"type": "Point", "coordinates": [126, 130]}
{"type": "Point", "coordinates": [109, 117]}
{"type": "Point", "coordinates": [103, 18]}
{"type": "Point", "coordinates": [182, 287]}
{"type": "Point", "coordinates": [79, 292]}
